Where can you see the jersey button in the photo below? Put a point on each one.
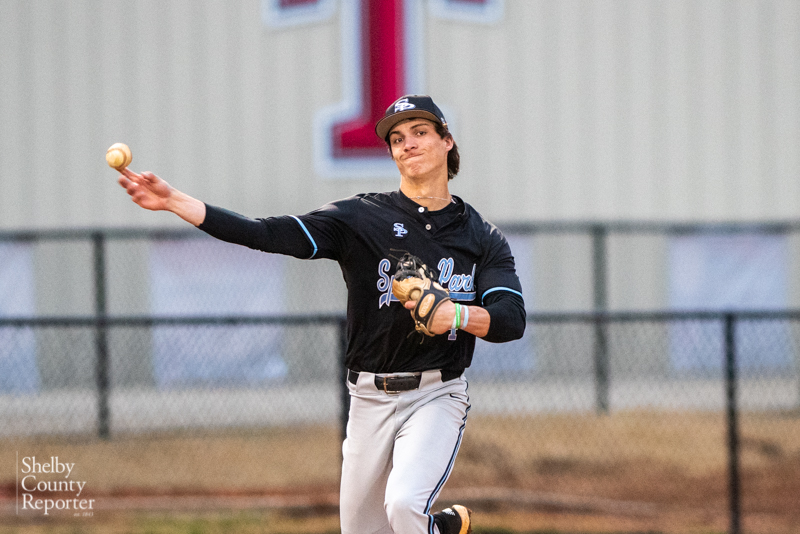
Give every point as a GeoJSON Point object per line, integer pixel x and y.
{"type": "Point", "coordinates": [421, 209]}
{"type": "Point", "coordinates": [427, 226]}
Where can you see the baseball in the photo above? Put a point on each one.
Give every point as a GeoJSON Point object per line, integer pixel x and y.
{"type": "Point", "coordinates": [118, 156]}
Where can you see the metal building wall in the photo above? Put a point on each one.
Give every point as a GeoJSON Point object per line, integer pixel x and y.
{"type": "Point", "coordinates": [670, 109]}
{"type": "Point", "coordinates": [660, 110]}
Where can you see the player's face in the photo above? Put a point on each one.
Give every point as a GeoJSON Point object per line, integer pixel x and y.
{"type": "Point", "coordinates": [418, 150]}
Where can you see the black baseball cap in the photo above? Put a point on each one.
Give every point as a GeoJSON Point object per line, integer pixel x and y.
{"type": "Point", "coordinates": [409, 107]}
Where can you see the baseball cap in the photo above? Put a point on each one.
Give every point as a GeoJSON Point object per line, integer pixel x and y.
{"type": "Point", "coordinates": [409, 107]}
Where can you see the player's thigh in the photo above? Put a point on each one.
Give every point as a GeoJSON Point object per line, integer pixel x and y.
{"type": "Point", "coordinates": [427, 445]}
{"type": "Point", "coordinates": [367, 462]}
{"type": "Point", "coordinates": [371, 426]}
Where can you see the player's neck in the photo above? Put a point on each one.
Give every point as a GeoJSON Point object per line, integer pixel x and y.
{"type": "Point", "coordinates": [434, 196]}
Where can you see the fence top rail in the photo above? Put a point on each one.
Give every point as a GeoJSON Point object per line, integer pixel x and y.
{"type": "Point", "coordinates": [651, 227]}
{"type": "Point", "coordinates": [183, 320]}
{"type": "Point", "coordinates": [664, 315]}
{"type": "Point", "coordinates": [80, 234]}
{"type": "Point", "coordinates": [529, 227]}
{"type": "Point", "coordinates": [338, 318]}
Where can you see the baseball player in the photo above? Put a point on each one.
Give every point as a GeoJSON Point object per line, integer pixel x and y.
{"type": "Point", "coordinates": [425, 275]}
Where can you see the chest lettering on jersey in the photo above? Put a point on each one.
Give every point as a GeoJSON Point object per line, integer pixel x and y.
{"type": "Point", "coordinates": [385, 284]}
{"type": "Point", "coordinates": [460, 286]}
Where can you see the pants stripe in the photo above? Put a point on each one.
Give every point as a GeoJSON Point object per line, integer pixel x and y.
{"type": "Point", "coordinates": [447, 471]}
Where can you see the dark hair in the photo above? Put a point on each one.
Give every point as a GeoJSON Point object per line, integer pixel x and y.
{"type": "Point", "coordinates": [453, 157]}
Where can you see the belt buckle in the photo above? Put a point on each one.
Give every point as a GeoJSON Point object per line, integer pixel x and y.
{"type": "Point", "coordinates": [386, 386]}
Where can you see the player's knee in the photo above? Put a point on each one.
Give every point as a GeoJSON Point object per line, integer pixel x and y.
{"type": "Point", "coordinates": [401, 509]}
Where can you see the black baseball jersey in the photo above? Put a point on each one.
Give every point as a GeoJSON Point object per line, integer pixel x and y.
{"type": "Point", "coordinates": [367, 234]}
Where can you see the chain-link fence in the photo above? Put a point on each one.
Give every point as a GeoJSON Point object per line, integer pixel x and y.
{"type": "Point", "coordinates": [164, 363]}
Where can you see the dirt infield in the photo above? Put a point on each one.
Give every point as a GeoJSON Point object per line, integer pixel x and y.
{"type": "Point", "coordinates": [629, 472]}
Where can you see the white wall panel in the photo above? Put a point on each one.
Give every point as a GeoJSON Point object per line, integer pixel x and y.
{"type": "Point", "coordinates": [574, 109]}
{"type": "Point", "coordinates": [644, 110]}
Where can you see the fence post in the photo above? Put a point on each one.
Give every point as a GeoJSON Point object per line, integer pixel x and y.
{"type": "Point", "coordinates": [101, 334]}
{"type": "Point", "coordinates": [599, 274]}
{"type": "Point", "coordinates": [344, 393]}
{"type": "Point", "coordinates": [732, 416]}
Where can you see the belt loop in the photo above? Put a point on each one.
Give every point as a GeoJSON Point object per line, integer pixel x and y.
{"type": "Point", "coordinates": [352, 377]}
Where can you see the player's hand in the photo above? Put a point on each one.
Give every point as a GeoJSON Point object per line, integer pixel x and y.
{"type": "Point", "coordinates": [146, 189]}
{"type": "Point", "coordinates": [442, 320]}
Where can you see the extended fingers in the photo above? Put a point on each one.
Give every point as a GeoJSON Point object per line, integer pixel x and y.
{"type": "Point", "coordinates": [128, 182]}
{"type": "Point", "coordinates": [148, 177]}
{"type": "Point", "coordinates": [131, 182]}
{"type": "Point", "coordinates": [129, 173]}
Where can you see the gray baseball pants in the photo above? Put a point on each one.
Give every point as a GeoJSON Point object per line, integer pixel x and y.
{"type": "Point", "coordinates": [398, 454]}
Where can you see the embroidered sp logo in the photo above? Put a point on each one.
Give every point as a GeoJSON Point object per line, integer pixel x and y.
{"type": "Point", "coordinates": [403, 105]}
{"type": "Point", "coordinates": [399, 230]}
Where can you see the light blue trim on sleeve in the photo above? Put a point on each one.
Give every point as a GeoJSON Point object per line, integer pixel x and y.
{"type": "Point", "coordinates": [498, 289]}
{"type": "Point", "coordinates": [308, 235]}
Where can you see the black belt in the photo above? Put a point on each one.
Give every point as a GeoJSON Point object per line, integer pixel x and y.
{"type": "Point", "coordinates": [398, 383]}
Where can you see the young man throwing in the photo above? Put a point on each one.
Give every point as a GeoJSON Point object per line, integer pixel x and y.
{"type": "Point", "coordinates": [408, 393]}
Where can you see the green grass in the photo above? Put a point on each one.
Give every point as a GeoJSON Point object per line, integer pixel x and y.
{"type": "Point", "coordinates": [245, 522]}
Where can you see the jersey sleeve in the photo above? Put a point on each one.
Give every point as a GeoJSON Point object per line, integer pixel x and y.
{"type": "Point", "coordinates": [500, 291]}
{"type": "Point", "coordinates": [497, 270]}
{"type": "Point", "coordinates": [310, 236]}
{"type": "Point", "coordinates": [328, 228]}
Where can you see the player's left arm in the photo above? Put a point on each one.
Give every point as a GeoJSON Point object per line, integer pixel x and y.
{"type": "Point", "coordinates": [506, 312]}
{"type": "Point", "coordinates": [500, 315]}
{"type": "Point", "coordinates": [502, 307]}
{"type": "Point", "coordinates": [442, 321]}
{"type": "Point", "coordinates": [500, 319]}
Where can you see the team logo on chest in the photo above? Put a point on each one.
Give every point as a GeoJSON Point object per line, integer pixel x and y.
{"type": "Point", "coordinates": [399, 230]}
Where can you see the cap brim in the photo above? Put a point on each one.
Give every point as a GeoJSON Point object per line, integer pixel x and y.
{"type": "Point", "coordinates": [386, 124]}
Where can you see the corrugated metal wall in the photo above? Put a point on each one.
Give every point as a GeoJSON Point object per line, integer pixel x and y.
{"type": "Point", "coordinates": [666, 109]}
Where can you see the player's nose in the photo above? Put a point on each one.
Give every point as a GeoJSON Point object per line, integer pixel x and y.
{"type": "Point", "coordinates": [409, 143]}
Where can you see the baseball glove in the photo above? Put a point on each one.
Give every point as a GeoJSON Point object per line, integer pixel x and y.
{"type": "Point", "coordinates": [415, 281]}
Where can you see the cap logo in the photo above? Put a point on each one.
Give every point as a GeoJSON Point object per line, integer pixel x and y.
{"type": "Point", "coordinates": [402, 105]}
